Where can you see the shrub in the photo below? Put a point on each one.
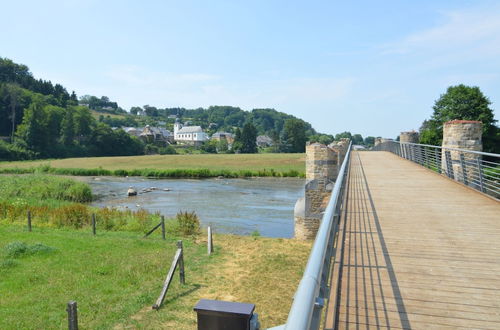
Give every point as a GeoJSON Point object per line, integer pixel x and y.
{"type": "Point", "coordinates": [168, 150]}
{"type": "Point", "coordinates": [255, 233]}
{"type": "Point", "coordinates": [189, 223]}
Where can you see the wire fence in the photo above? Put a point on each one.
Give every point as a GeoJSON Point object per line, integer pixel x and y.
{"type": "Point", "coordinates": [475, 169]}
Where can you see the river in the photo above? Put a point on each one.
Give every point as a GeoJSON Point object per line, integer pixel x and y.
{"type": "Point", "coordinates": [238, 206]}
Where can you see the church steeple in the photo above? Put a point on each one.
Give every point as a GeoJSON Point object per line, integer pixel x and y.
{"type": "Point", "coordinates": [177, 126]}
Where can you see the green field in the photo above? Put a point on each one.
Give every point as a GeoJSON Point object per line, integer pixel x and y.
{"type": "Point", "coordinates": [197, 165]}
{"type": "Point", "coordinates": [116, 277]}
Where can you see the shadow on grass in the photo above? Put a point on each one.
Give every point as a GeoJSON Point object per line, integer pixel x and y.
{"type": "Point", "coordinates": [195, 287]}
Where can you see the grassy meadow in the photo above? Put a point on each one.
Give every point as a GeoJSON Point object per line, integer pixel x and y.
{"type": "Point", "coordinates": [194, 165]}
{"type": "Point", "coordinates": [116, 277]}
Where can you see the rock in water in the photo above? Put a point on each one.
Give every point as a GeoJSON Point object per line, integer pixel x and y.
{"type": "Point", "coordinates": [131, 192]}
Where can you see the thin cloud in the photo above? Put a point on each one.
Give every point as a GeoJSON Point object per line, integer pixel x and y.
{"type": "Point", "coordinates": [470, 32]}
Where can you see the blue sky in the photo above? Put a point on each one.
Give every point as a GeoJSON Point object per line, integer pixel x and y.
{"type": "Point", "coordinates": [369, 67]}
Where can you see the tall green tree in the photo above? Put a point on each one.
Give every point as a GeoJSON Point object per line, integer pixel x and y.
{"type": "Point", "coordinates": [237, 143]}
{"type": "Point", "coordinates": [68, 127]}
{"type": "Point", "coordinates": [294, 136]}
{"type": "Point", "coordinates": [13, 94]}
{"type": "Point", "coordinates": [464, 103]}
{"type": "Point", "coordinates": [357, 139]}
{"type": "Point", "coordinates": [249, 139]}
{"type": "Point", "coordinates": [369, 141]}
{"type": "Point", "coordinates": [32, 130]}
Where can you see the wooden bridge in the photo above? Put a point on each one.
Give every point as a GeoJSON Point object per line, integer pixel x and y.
{"type": "Point", "coordinates": [419, 250]}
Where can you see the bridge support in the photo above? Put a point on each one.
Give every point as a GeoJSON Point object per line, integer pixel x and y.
{"type": "Point", "coordinates": [461, 134]}
{"type": "Point", "coordinates": [322, 165]}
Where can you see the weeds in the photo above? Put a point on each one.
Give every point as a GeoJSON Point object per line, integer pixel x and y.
{"type": "Point", "coordinates": [189, 223]}
{"type": "Point", "coordinates": [19, 249]}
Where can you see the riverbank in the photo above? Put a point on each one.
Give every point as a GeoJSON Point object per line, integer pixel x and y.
{"type": "Point", "coordinates": [169, 166]}
{"type": "Point", "coordinates": [116, 276]}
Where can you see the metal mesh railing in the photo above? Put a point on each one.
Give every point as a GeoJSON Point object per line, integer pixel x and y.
{"type": "Point", "coordinates": [478, 170]}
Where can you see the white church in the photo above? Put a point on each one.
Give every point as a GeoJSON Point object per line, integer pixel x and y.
{"type": "Point", "coordinates": [189, 134]}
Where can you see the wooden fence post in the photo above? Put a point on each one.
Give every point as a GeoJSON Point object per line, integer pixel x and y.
{"type": "Point", "coordinates": [29, 220]}
{"type": "Point", "coordinates": [210, 246]}
{"type": "Point", "coordinates": [178, 260]}
{"type": "Point", "coordinates": [181, 263]}
{"type": "Point", "coordinates": [72, 315]}
{"type": "Point", "coordinates": [163, 227]}
{"type": "Point", "coordinates": [93, 223]}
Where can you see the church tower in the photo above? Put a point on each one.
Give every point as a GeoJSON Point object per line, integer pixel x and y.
{"type": "Point", "coordinates": [177, 127]}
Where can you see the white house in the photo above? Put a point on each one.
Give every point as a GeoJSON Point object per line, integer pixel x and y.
{"type": "Point", "coordinates": [189, 134]}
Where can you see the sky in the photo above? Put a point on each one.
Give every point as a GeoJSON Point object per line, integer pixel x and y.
{"type": "Point", "coordinates": [368, 67]}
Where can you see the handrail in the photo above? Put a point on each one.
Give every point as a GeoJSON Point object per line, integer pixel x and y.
{"type": "Point", "coordinates": [475, 169]}
{"type": "Point", "coordinates": [482, 153]}
{"type": "Point", "coordinates": [305, 312]}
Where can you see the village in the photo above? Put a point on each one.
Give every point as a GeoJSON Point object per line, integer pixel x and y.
{"type": "Point", "coordinates": [186, 135]}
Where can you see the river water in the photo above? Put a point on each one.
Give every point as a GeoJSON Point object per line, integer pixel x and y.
{"type": "Point", "coordinates": [238, 206]}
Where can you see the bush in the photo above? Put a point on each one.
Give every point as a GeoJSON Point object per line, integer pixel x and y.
{"type": "Point", "coordinates": [10, 151]}
{"type": "Point", "coordinates": [168, 150]}
{"type": "Point", "coordinates": [151, 149]}
{"type": "Point", "coordinates": [189, 223]}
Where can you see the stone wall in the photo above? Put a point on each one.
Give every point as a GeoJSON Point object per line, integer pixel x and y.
{"type": "Point", "coordinates": [461, 134]}
{"type": "Point", "coordinates": [322, 165]}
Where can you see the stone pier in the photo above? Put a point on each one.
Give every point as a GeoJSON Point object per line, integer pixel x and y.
{"type": "Point", "coordinates": [409, 137]}
{"type": "Point", "coordinates": [322, 166]}
{"type": "Point", "coordinates": [462, 134]}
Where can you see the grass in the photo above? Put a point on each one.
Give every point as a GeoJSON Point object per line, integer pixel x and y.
{"type": "Point", "coordinates": [196, 165]}
{"type": "Point", "coordinates": [116, 277]}
{"type": "Point", "coordinates": [97, 114]}
{"type": "Point", "coordinates": [57, 202]}
{"type": "Point", "coordinates": [44, 188]}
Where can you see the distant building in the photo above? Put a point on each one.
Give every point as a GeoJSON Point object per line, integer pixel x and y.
{"type": "Point", "coordinates": [156, 134]}
{"type": "Point", "coordinates": [133, 131]}
{"type": "Point", "coordinates": [264, 141]}
{"type": "Point", "coordinates": [223, 136]}
{"type": "Point", "coordinates": [189, 134]}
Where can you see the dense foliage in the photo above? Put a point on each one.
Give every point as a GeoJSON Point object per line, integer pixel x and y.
{"type": "Point", "coordinates": [42, 120]}
{"type": "Point", "coordinates": [463, 103]}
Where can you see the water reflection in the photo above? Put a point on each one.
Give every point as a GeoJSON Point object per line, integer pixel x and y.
{"type": "Point", "coordinates": [238, 206]}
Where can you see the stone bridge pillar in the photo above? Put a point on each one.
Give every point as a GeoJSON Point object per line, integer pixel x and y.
{"type": "Point", "coordinates": [461, 134]}
{"type": "Point", "coordinates": [409, 137]}
{"type": "Point", "coordinates": [321, 171]}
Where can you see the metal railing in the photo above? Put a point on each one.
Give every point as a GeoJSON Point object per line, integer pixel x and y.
{"type": "Point", "coordinates": [312, 292]}
{"type": "Point", "coordinates": [478, 170]}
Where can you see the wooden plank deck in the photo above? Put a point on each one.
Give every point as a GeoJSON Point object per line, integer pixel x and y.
{"type": "Point", "coordinates": [420, 251]}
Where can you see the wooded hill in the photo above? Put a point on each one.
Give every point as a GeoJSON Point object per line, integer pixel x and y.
{"type": "Point", "coordinates": [39, 119]}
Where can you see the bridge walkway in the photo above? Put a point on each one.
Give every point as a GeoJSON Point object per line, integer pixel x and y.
{"type": "Point", "coordinates": [420, 251]}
